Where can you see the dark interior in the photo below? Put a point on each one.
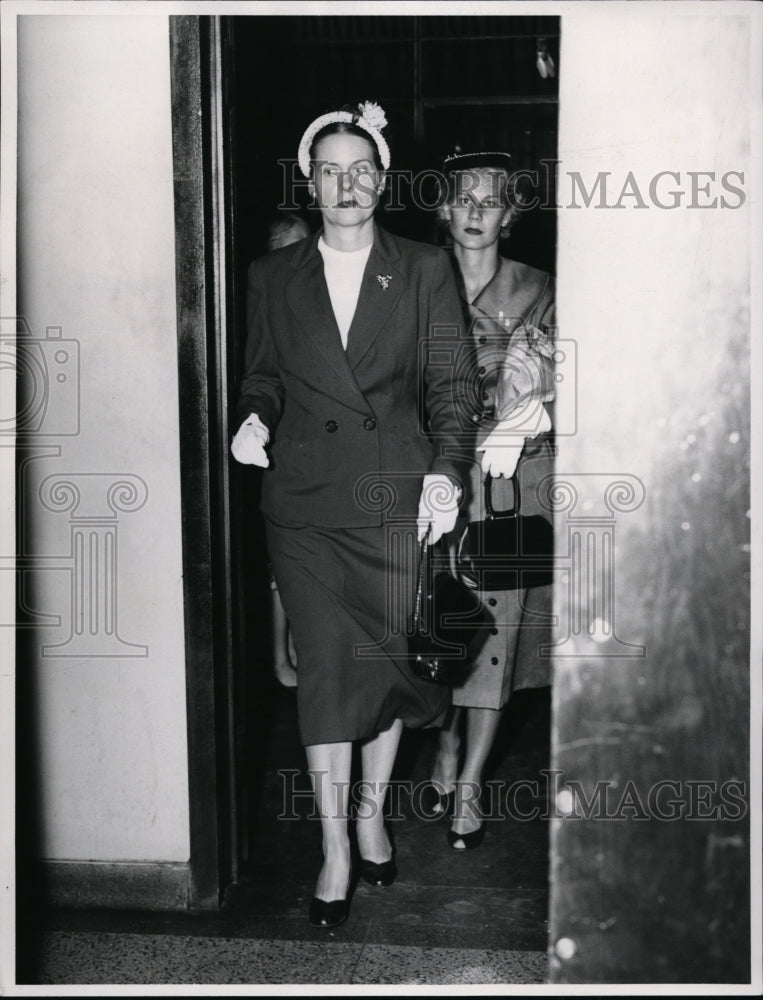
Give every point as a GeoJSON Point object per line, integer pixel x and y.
{"type": "Point", "coordinates": [442, 81]}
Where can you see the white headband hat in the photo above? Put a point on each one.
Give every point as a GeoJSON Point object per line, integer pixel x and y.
{"type": "Point", "coordinates": [370, 117]}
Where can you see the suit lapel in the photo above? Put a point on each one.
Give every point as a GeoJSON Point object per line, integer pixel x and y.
{"type": "Point", "coordinates": [380, 293]}
{"type": "Point", "coordinates": [506, 291]}
{"type": "Point", "coordinates": [308, 298]}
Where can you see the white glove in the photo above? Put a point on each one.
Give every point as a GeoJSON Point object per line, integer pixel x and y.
{"type": "Point", "coordinates": [438, 506]}
{"type": "Point", "coordinates": [503, 445]}
{"type": "Point", "coordinates": [248, 445]}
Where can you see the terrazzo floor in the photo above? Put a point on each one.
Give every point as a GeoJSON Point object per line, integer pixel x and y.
{"type": "Point", "coordinates": [477, 917]}
{"type": "Point", "coordinates": [104, 958]}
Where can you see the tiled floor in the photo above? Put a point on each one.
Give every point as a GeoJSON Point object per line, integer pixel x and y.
{"type": "Point", "coordinates": [72, 957]}
{"type": "Point", "coordinates": [471, 918]}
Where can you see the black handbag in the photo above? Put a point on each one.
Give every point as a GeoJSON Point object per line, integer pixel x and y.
{"type": "Point", "coordinates": [507, 550]}
{"type": "Point", "coordinates": [446, 618]}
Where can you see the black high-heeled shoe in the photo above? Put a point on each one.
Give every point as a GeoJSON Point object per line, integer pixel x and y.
{"type": "Point", "coordinates": [379, 873]}
{"type": "Point", "coordinates": [329, 913]}
{"type": "Point", "coordinates": [434, 803]}
{"type": "Point", "coordinates": [469, 840]}
{"type": "Point", "coordinates": [333, 912]}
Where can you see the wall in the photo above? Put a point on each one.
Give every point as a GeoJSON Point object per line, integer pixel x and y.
{"type": "Point", "coordinates": [104, 656]}
{"type": "Point", "coordinates": [651, 833]}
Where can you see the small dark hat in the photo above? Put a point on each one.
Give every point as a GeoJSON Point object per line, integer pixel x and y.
{"type": "Point", "coordinates": [488, 159]}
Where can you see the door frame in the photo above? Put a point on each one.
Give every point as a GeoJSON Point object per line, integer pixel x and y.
{"type": "Point", "coordinates": [201, 290]}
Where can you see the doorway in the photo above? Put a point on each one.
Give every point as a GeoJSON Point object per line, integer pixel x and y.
{"type": "Point", "coordinates": [694, 697]}
{"type": "Point", "coordinates": [442, 81]}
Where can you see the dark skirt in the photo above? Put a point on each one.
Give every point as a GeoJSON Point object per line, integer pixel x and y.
{"type": "Point", "coordinates": [347, 593]}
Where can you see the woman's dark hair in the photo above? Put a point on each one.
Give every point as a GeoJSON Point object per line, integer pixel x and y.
{"type": "Point", "coordinates": [345, 128]}
{"type": "Point", "coordinates": [285, 228]}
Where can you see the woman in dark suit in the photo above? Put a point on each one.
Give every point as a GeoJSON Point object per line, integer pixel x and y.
{"type": "Point", "coordinates": [360, 416]}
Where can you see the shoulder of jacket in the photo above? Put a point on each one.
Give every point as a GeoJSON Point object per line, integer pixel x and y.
{"type": "Point", "coordinates": [529, 276]}
{"type": "Point", "coordinates": [277, 260]}
{"type": "Point", "coordinates": [414, 248]}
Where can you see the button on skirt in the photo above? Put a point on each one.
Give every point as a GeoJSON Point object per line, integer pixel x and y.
{"type": "Point", "coordinates": [347, 593]}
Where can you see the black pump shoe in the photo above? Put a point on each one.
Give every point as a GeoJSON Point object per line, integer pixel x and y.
{"type": "Point", "coordinates": [333, 912]}
{"type": "Point", "coordinates": [433, 803]}
{"type": "Point", "coordinates": [376, 873]}
{"type": "Point", "coordinates": [469, 840]}
{"type": "Point", "coordinates": [328, 913]}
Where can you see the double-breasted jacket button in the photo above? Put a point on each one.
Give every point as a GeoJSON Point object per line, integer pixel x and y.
{"type": "Point", "coordinates": [369, 423]}
{"type": "Point", "coordinates": [331, 426]}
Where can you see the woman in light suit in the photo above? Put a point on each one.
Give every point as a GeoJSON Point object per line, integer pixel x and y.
{"type": "Point", "coordinates": [360, 417]}
{"type": "Point", "coordinates": [510, 310]}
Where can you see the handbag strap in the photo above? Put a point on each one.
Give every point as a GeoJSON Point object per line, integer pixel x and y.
{"type": "Point", "coordinates": [420, 578]}
{"type": "Point", "coordinates": [490, 511]}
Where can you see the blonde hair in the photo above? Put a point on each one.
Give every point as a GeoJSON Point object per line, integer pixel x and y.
{"type": "Point", "coordinates": [512, 205]}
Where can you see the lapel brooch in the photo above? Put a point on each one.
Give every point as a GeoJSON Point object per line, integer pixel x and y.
{"type": "Point", "coordinates": [384, 280]}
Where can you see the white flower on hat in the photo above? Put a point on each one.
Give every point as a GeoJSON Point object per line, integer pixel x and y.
{"type": "Point", "coordinates": [372, 114]}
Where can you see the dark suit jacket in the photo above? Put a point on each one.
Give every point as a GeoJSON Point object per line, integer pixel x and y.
{"type": "Point", "coordinates": [347, 429]}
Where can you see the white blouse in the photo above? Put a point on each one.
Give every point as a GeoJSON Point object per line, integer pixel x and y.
{"type": "Point", "coordinates": [344, 275]}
